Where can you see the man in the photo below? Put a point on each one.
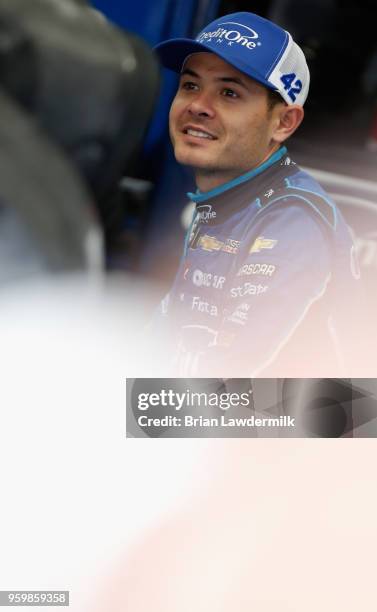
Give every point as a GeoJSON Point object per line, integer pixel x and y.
{"type": "Point", "coordinates": [269, 262]}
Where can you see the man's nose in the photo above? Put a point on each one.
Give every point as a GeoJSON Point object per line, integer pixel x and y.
{"type": "Point", "coordinates": [202, 105]}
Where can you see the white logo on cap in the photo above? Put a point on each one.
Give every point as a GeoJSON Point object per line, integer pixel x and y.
{"type": "Point", "coordinates": [231, 35]}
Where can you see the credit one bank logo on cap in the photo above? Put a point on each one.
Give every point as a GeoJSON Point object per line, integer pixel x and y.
{"type": "Point", "coordinates": [246, 37]}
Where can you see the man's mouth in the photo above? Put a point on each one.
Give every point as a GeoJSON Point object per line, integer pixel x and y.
{"type": "Point", "coordinates": [198, 133]}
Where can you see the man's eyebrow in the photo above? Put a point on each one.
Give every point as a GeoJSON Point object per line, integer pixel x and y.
{"type": "Point", "coordinates": [234, 80]}
{"type": "Point", "coordinates": [189, 72]}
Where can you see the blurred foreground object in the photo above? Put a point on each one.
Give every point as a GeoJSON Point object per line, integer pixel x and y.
{"type": "Point", "coordinates": [268, 527]}
{"type": "Point", "coordinates": [81, 94]}
{"type": "Point", "coordinates": [65, 344]}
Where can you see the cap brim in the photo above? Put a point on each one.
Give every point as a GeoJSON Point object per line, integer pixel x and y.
{"type": "Point", "coordinates": [173, 53]}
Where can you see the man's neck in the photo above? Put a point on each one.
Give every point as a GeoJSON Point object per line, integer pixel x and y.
{"type": "Point", "coordinates": [208, 180]}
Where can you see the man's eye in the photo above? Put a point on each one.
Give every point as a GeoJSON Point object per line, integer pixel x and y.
{"type": "Point", "coordinates": [189, 85]}
{"type": "Point", "coordinates": [229, 93]}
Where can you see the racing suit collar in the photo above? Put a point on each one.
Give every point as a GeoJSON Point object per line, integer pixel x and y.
{"type": "Point", "coordinates": [257, 188]}
{"type": "Point", "coordinates": [199, 197]}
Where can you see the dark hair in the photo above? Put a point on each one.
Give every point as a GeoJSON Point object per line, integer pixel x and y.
{"type": "Point", "coordinates": [273, 98]}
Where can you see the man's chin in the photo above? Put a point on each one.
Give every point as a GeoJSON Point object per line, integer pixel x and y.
{"type": "Point", "coordinates": [195, 159]}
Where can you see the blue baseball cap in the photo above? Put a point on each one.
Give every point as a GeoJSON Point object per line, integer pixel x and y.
{"type": "Point", "coordinates": [257, 47]}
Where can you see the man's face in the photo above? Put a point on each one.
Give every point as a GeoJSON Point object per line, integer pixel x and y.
{"type": "Point", "coordinates": [220, 123]}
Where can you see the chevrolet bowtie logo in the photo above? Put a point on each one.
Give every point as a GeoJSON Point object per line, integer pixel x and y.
{"type": "Point", "coordinates": [210, 243]}
{"type": "Point", "coordinates": [262, 243]}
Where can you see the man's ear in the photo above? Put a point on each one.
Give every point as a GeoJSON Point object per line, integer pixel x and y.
{"type": "Point", "coordinates": [287, 120]}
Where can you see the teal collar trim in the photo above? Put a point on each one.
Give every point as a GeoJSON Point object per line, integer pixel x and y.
{"type": "Point", "coordinates": [202, 197]}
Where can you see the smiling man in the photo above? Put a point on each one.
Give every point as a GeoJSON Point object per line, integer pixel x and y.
{"type": "Point", "coordinates": [269, 262]}
{"type": "Point", "coordinates": [221, 122]}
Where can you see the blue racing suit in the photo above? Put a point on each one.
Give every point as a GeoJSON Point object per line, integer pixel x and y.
{"type": "Point", "coordinates": [268, 280]}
